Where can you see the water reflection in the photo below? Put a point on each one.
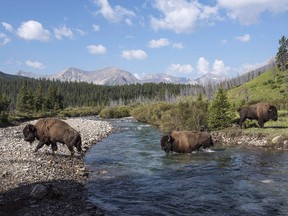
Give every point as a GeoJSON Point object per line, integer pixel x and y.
{"type": "Point", "coordinates": [133, 176]}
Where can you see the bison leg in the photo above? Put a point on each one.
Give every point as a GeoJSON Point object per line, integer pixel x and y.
{"type": "Point", "coordinates": [71, 149]}
{"type": "Point", "coordinates": [40, 145]}
{"type": "Point", "coordinates": [261, 123]}
{"type": "Point", "coordinates": [241, 121]}
{"type": "Point", "coordinates": [54, 147]}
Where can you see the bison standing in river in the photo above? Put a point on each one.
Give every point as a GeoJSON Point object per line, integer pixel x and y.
{"type": "Point", "coordinates": [50, 131]}
{"type": "Point", "coordinates": [185, 141]}
{"type": "Point", "coordinates": [262, 112]}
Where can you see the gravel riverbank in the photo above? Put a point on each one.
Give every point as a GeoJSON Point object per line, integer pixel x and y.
{"type": "Point", "coordinates": [61, 176]}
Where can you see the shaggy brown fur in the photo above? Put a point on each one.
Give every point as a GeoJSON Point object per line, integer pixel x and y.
{"type": "Point", "coordinates": [52, 130]}
{"type": "Point", "coordinates": [185, 141]}
{"type": "Point", "coordinates": [262, 112]}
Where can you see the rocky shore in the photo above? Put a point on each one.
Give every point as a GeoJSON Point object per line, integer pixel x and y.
{"type": "Point", "coordinates": [57, 181]}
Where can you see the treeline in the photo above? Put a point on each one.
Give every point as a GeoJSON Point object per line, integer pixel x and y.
{"type": "Point", "coordinates": [53, 94]}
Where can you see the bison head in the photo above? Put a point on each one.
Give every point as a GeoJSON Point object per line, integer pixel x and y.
{"type": "Point", "coordinates": [272, 113]}
{"type": "Point", "coordinates": [29, 133]}
{"type": "Point", "coordinates": [167, 143]}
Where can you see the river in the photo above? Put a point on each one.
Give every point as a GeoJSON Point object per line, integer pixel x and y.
{"type": "Point", "coordinates": [133, 176]}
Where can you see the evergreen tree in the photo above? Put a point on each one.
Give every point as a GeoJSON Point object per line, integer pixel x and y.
{"type": "Point", "coordinates": [220, 114]}
{"type": "Point", "coordinates": [38, 99]}
{"type": "Point", "coordinates": [21, 104]}
{"type": "Point", "coordinates": [4, 104]}
{"type": "Point", "coordinates": [282, 54]}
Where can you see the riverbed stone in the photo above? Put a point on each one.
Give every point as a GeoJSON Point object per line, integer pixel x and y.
{"type": "Point", "coordinates": [277, 139]}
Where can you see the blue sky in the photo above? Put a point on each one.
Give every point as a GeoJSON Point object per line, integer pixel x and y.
{"type": "Point", "coordinates": [184, 38]}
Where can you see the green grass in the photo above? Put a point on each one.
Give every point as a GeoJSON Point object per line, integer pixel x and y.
{"type": "Point", "coordinates": [268, 87]}
{"type": "Point", "coordinates": [271, 128]}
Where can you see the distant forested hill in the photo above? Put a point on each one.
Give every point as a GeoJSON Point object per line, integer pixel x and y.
{"type": "Point", "coordinates": [78, 94]}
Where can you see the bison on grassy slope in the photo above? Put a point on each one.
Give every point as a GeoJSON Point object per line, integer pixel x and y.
{"type": "Point", "coordinates": [262, 112]}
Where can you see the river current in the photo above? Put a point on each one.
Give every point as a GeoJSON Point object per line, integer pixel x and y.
{"type": "Point", "coordinates": [133, 176]}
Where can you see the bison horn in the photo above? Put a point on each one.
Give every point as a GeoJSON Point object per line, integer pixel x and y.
{"type": "Point", "coordinates": [169, 138]}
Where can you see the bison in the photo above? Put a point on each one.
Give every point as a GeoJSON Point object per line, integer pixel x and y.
{"type": "Point", "coordinates": [262, 112]}
{"type": "Point", "coordinates": [50, 131]}
{"type": "Point", "coordinates": [185, 141]}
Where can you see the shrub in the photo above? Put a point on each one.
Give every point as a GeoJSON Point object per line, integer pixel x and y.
{"type": "Point", "coordinates": [115, 112]}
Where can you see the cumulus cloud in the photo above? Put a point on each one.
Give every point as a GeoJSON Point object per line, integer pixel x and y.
{"type": "Point", "coordinates": [249, 11]}
{"type": "Point", "coordinates": [158, 43]}
{"type": "Point", "coordinates": [4, 39]}
{"type": "Point", "coordinates": [7, 26]}
{"type": "Point", "coordinates": [34, 64]}
{"type": "Point", "coordinates": [95, 27]}
{"type": "Point", "coordinates": [203, 66]}
{"type": "Point", "coordinates": [218, 67]}
{"type": "Point", "coordinates": [181, 15]}
{"type": "Point", "coordinates": [97, 49]}
{"type": "Point", "coordinates": [33, 30]}
{"type": "Point", "coordinates": [63, 31]}
{"type": "Point", "coordinates": [243, 38]}
{"type": "Point", "coordinates": [178, 45]}
{"type": "Point", "coordinates": [178, 68]}
{"type": "Point", "coordinates": [116, 14]}
{"type": "Point", "coordinates": [134, 54]}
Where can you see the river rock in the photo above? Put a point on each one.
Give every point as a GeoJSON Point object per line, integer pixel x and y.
{"type": "Point", "coordinates": [277, 139]}
{"type": "Point", "coordinates": [38, 192]}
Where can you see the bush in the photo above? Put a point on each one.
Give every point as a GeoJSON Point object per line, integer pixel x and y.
{"type": "Point", "coordinates": [115, 112]}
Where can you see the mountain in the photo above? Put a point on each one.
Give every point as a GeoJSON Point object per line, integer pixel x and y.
{"type": "Point", "coordinates": [115, 76]}
{"type": "Point", "coordinates": [106, 76]}
{"type": "Point", "coordinates": [162, 77]}
{"type": "Point", "coordinates": [208, 78]}
{"type": "Point", "coordinates": [31, 75]}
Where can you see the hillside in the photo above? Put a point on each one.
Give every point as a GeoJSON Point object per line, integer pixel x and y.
{"type": "Point", "coordinates": [268, 87]}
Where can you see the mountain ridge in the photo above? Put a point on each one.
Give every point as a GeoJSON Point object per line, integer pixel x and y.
{"type": "Point", "coordinates": [115, 76]}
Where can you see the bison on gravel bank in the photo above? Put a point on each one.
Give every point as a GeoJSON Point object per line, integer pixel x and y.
{"type": "Point", "coordinates": [50, 131]}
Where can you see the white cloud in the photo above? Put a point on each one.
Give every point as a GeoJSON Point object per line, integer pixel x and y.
{"type": "Point", "coordinates": [33, 30]}
{"type": "Point", "coordinates": [178, 68]}
{"type": "Point", "coordinates": [34, 64]}
{"type": "Point", "coordinates": [178, 45]}
{"type": "Point", "coordinates": [4, 39]}
{"type": "Point", "coordinates": [63, 31]}
{"type": "Point", "coordinates": [249, 11]}
{"type": "Point", "coordinates": [116, 14]}
{"type": "Point", "coordinates": [243, 38]}
{"type": "Point", "coordinates": [95, 27]}
{"type": "Point", "coordinates": [203, 66]}
{"type": "Point", "coordinates": [220, 68]}
{"type": "Point", "coordinates": [158, 43]}
{"type": "Point", "coordinates": [97, 49]}
{"type": "Point", "coordinates": [182, 15]}
{"type": "Point", "coordinates": [250, 67]}
{"type": "Point", "coordinates": [134, 54]}
{"type": "Point", "coordinates": [217, 68]}
{"type": "Point", "coordinates": [7, 26]}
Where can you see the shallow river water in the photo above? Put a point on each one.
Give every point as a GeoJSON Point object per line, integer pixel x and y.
{"type": "Point", "coordinates": [133, 176]}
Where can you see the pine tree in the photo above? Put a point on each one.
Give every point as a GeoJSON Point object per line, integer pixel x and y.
{"type": "Point", "coordinates": [21, 104]}
{"type": "Point", "coordinates": [220, 114]}
{"type": "Point", "coordinates": [4, 104]}
{"type": "Point", "coordinates": [282, 54]}
{"type": "Point", "coordinates": [38, 99]}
